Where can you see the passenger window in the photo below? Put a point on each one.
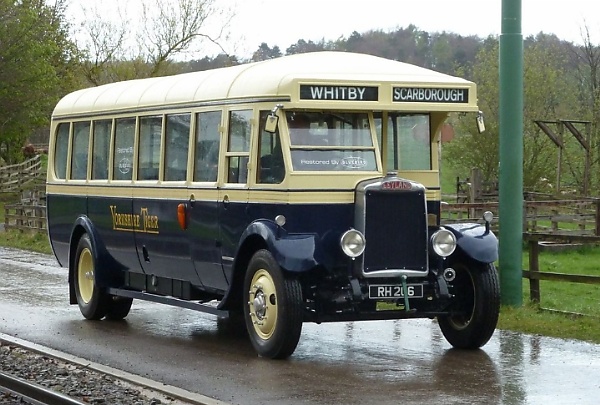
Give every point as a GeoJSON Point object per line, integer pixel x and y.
{"type": "Point", "coordinates": [101, 149]}
{"type": "Point", "coordinates": [149, 148]}
{"type": "Point", "coordinates": [177, 135]}
{"type": "Point", "coordinates": [238, 169]}
{"type": "Point", "coordinates": [271, 169]}
{"type": "Point", "coordinates": [61, 150]}
{"type": "Point", "coordinates": [208, 140]}
{"type": "Point", "coordinates": [123, 156]}
{"type": "Point", "coordinates": [79, 156]}
{"type": "Point", "coordinates": [239, 143]}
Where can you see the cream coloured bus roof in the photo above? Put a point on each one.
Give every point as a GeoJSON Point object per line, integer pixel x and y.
{"type": "Point", "coordinates": [275, 78]}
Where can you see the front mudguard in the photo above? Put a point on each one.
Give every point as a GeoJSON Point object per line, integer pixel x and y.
{"type": "Point", "coordinates": [475, 241]}
{"type": "Point", "coordinates": [296, 253]}
{"type": "Point", "coordinates": [293, 252]}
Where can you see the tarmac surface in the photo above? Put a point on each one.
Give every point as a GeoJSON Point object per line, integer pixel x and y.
{"type": "Point", "coordinates": [374, 362]}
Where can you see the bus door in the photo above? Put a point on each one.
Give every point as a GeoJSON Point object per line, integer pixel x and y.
{"type": "Point", "coordinates": [233, 195]}
{"type": "Point", "coordinates": [162, 244]}
{"type": "Point", "coordinates": [118, 234]}
{"type": "Point", "coordinates": [203, 205]}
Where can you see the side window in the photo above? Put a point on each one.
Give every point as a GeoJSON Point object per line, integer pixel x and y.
{"type": "Point", "coordinates": [270, 158]}
{"type": "Point", "coordinates": [177, 135]}
{"type": "Point", "coordinates": [208, 140]}
{"type": "Point", "coordinates": [238, 146]}
{"type": "Point", "coordinates": [61, 150]}
{"type": "Point", "coordinates": [79, 156]}
{"type": "Point", "coordinates": [149, 148]}
{"type": "Point", "coordinates": [101, 149]}
{"type": "Point", "coordinates": [123, 157]}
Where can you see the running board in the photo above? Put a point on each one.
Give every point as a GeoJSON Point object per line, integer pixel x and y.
{"type": "Point", "coordinates": [161, 299]}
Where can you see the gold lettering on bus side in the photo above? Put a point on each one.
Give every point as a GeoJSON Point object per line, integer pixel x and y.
{"type": "Point", "coordinates": [149, 222]}
{"type": "Point", "coordinates": [143, 222]}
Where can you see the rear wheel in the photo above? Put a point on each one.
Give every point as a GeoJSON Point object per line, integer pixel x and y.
{"type": "Point", "coordinates": [474, 314]}
{"type": "Point", "coordinates": [91, 300]}
{"type": "Point", "coordinates": [118, 308]}
{"type": "Point", "coordinates": [273, 307]}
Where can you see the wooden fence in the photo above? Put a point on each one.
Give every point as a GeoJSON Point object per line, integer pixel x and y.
{"type": "Point", "coordinates": [548, 222]}
{"type": "Point", "coordinates": [576, 216]}
{"type": "Point", "coordinates": [535, 275]}
{"type": "Point", "coordinates": [13, 178]}
{"type": "Point", "coordinates": [30, 213]}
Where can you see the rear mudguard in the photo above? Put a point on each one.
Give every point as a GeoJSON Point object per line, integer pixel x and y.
{"type": "Point", "coordinates": [106, 269]}
{"type": "Point", "coordinates": [475, 241]}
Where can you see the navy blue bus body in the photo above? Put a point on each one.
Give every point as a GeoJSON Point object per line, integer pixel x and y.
{"type": "Point", "coordinates": [140, 244]}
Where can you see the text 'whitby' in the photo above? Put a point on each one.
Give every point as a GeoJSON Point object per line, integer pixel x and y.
{"type": "Point", "coordinates": [430, 95]}
{"type": "Point", "coordinates": [339, 93]}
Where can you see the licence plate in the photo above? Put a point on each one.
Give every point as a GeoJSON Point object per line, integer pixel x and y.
{"type": "Point", "coordinates": [395, 291]}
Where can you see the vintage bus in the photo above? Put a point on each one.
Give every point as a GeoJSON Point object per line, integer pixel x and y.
{"type": "Point", "coordinates": [299, 189]}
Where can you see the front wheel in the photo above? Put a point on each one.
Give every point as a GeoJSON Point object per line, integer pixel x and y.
{"type": "Point", "coordinates": [474, 314]}
{"type": "Point", "coordinates": [91, 300]}
{"type": "Point", "coordinates": [273, 307]}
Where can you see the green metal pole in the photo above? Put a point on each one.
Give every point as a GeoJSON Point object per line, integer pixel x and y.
{"type": "Point", "coordinates": [511, 155]}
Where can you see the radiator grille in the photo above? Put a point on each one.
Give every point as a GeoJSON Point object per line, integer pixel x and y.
{"type": "Point", "coordinates": [395, 231]}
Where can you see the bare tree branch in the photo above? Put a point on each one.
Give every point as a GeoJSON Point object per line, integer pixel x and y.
{"type": "Point", "coordinates": [164, 30]}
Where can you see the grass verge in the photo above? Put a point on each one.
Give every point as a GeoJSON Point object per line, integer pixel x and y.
{"type": "Point", "coordinates": [34, 241]}
{"type": "Point", "coordinates": [531, 319]}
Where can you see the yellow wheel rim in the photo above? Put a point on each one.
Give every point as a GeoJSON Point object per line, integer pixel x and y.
{"type": "Point", "coordinates": [263, 304]}
{"type": "Point", "coordinates": [85, 275]}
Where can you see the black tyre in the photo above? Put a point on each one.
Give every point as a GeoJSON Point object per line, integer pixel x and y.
{"type": "Point", "coordinates": [117, 308]}
{"type": "Point", "coordinates": [92, 301]}
{"type": "Point", "coordinates": [474, 315]}
{"type": "Point", "coordinates": [273, 307]}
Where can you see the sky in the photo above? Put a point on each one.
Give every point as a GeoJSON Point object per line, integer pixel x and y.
{"type": "Point", "coordinates": [284, 22]}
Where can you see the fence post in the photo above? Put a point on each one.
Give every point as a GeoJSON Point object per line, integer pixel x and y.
{"type": "Point", "coordinates": [553, 221]}
{"type": "Point", "coordinates": [597, 230]}
{"type": "Point", "coordinates": [534, 270]}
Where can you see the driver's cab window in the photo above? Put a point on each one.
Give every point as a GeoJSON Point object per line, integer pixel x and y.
{"type": "Point", "coordinates": [408, 141]}
{"type": "Point", "coordinates": [271, 169]}
{"type": "Point", "coordinates": [325, 141]}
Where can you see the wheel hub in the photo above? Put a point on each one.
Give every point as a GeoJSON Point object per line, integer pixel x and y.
{"type": "Point", "coordinates": [260, 304]}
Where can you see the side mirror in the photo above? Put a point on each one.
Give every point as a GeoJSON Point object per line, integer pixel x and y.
{"type": "Point", "coordinates": [271, 123]}
{"type": "Point", "coordinates": [480, 123]}
{"type": "Point", "coordinates": [272, 120]}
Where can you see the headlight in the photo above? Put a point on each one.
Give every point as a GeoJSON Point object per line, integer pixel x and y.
{"type": "Point", "coordinates": [352, 243]}
{"type": "Point", "coordinates": [443, 242]}
{"type": "Point", "coordinates": [488, 216]}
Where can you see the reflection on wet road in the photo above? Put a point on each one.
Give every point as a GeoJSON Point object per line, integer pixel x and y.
{"type": "Point", "coordinates": [379, 362]}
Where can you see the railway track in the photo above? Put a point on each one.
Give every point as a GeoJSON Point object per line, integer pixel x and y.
{"type": "Point", "coordinates": [15, 390]}
{"type": "Point", "coordinates": [36, 375]}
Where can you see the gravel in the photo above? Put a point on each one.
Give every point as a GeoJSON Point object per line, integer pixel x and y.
{"type": "Point", "coordinates": [75, 381]}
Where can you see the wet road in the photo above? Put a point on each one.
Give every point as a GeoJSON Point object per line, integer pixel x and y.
{"type": "Point", "coordinates": [377, 362]}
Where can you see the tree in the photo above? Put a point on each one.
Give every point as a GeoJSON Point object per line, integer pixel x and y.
{"type": "Point", "coordinates": [586, 63]}
{"type": "Point", "coordinates": [546, 97]}
{"type": "Point", "coordinates": [206, 63]}
{"type": "Point", "coordinates": [264, 52]}
{"type": "Point", "coordinates": [303, 47]}
{"type": "Point", "coordinates": [38, 64]}
{"type": "Point", "coordinates": [117, 50]}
